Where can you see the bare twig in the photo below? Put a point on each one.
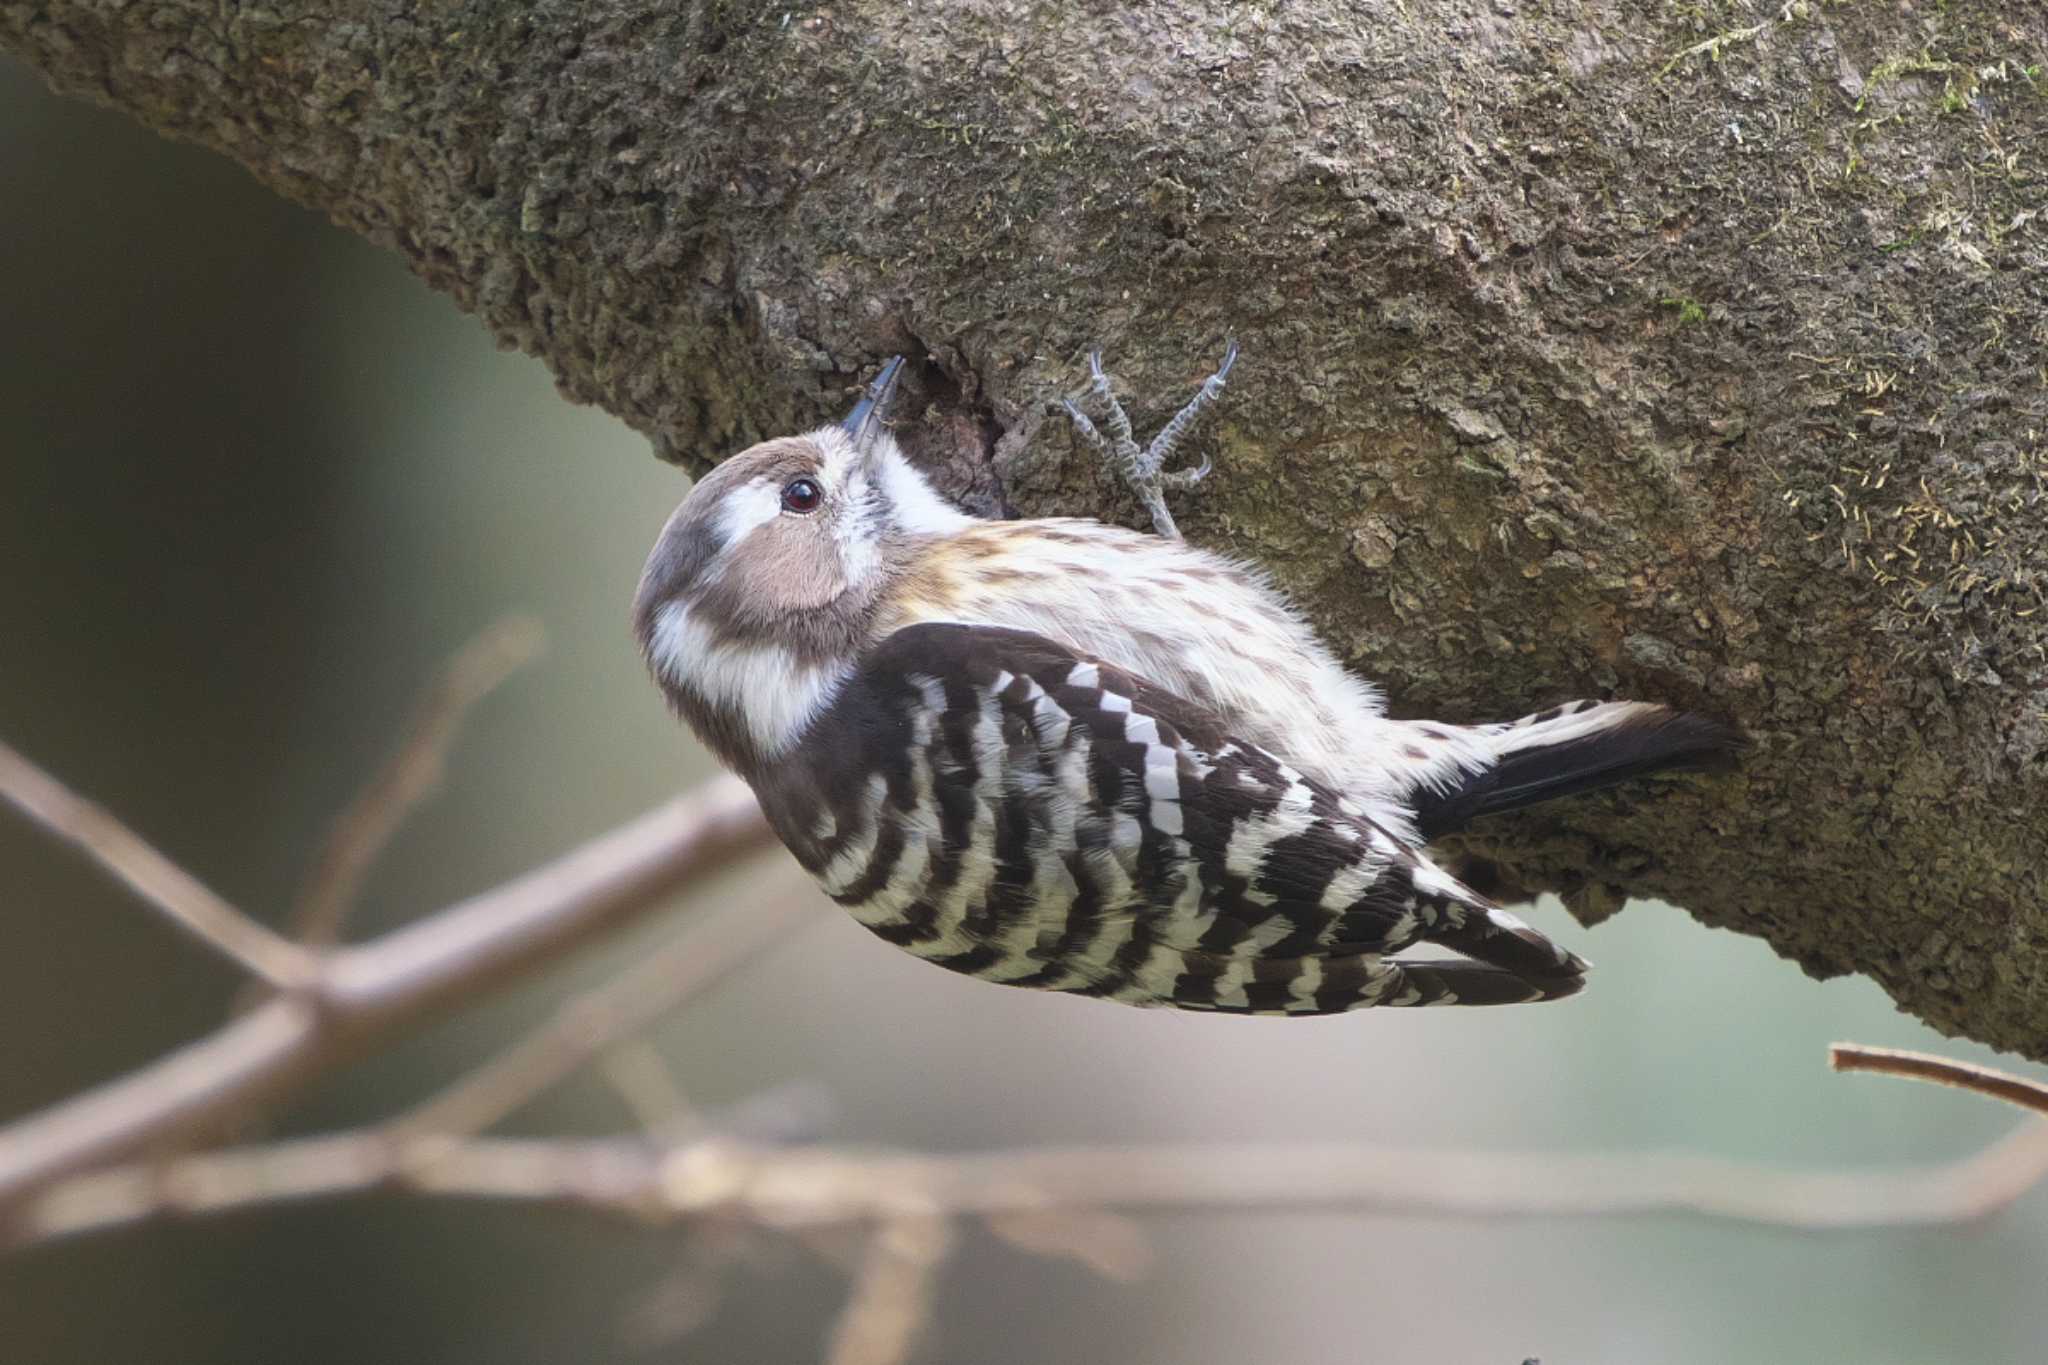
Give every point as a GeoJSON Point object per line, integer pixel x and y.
{"type": "Point", "coordinates": [892, 1291]}
{"type": "Point", "coordinates": [811, 1186]}
{"type": "Point", "coordinates": [1925, 1066]}
{"type": "Point", "coordinates": [410, 776]}
{"type": "Point", "coordinates": [1109, 1244]}
{"type": "Point", "coordinates": [798, 1189]}
{"type": "Point", "coordinates": [366, 993]}
{"type": "Point", "coordinates": [583, 1027]}
{"type": "Point", "coordinates": [693, 1289]}
{"type": "Point", "coordinates": [642, 1080]}
{"type": "Point", "coordinates": [149, 874]}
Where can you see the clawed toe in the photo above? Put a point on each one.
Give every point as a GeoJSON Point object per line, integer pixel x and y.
{"type": "Point", "coordinates": [1144, 470]}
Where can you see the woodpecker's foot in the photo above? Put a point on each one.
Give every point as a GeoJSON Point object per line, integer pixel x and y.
{"type": "Point", "coordinates": [1144, 469]}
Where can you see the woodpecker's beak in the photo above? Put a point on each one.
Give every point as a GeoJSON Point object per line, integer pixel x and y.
{"type": "Point", "coordinates": [866, 418]}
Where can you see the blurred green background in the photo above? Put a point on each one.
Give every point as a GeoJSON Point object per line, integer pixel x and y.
{"type": "Point", "coordinates": [257, 483]}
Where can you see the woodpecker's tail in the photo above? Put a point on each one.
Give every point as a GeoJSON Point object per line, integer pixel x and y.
{"type": "Point", "coordinates": [1450, 981]}
{"type": "Point", "coordinates": [1510, 962]}
{"type": "Point", "coordinates": [1573, 748]}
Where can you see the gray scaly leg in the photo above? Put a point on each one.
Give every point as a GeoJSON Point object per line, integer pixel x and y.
{"type": "Point", "coordinates": [1143, 469]}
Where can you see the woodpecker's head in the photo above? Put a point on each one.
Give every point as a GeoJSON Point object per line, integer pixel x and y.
{"type": "Point", "coordinates": [759, 595]}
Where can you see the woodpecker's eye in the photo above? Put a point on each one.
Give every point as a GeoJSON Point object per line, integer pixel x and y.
{"type": "Point", "coordinates": [801, 495]}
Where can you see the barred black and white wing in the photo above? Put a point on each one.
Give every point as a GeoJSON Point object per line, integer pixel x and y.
{"type": "Point", "coordinates": [988, 800]}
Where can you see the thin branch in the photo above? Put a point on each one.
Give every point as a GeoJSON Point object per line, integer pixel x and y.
{"type": "Point", "coordinates": [892, 1292]}
{"type": "Point", "coordinates": [1925, 1066]}
{"type": "Point", "coordinates": [181, 897]}
{"type": "Point", "coordinates": [411, 775]}
{"type": "Point", "coordinates": [641, 1078]}
{"type": "Point", "coordinates": [692, 1291]}
{"type": "Point", "coordinates": [798, 1189]}
{"type": "Point", "coordinates": [1110, 1244]}
{"type": "Point", "coordinates": [812, 1186]}
{"type": "Point", "coordinates": [363, 994]}
{"type": "Point", "coordinates": [585, 1026]}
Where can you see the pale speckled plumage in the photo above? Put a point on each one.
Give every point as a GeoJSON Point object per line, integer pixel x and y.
{"type": "Point", "coordinates": [1196, 623]}
{"type": "Point", "coordinates": [1207, 627]}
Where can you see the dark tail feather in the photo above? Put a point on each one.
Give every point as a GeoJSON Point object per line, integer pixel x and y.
{"type": "Point", "coordinates": [1579, 750]}
{"type": "Point", "coordinates": [1498, 939]}
{"type": "Point", "coordinates": [1452, 982]}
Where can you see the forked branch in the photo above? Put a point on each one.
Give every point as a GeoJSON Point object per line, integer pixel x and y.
{"type": "Point", "coordinates": [175, 893]}
{"type": "Point", "coordinates": [360, 995]}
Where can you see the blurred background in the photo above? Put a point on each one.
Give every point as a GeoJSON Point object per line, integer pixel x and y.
{"type": "Point", "coordinates": [257, 484]}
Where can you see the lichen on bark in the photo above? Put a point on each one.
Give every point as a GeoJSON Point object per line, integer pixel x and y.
{"type": "Point", "coordinates": [1687, 352]}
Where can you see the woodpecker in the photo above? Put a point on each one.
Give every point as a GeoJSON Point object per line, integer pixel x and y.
{"type": "Point", "coordinates": [1064, 754]}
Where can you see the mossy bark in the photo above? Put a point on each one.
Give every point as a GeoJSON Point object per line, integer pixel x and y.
{"type": "Point", "coordinates": [1686, 352]}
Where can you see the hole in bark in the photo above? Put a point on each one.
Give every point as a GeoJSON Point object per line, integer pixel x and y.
{"type": "Point", "coordinates": [931, 387]}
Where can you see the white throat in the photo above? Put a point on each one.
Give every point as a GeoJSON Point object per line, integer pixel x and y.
{"type": "Point", "coordinates": [774, 694]}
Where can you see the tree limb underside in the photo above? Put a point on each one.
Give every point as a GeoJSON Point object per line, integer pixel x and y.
{"type": "Point", "coordinates": [1688, 353]}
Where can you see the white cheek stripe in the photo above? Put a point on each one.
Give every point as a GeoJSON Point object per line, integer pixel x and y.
{"type": "Point", "coordinates": [745, 508]}
{"type": "Point", "coordinates": [774, 695]}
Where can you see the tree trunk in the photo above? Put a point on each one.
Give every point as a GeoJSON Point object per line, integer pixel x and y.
{"type": "Point", "coordinates": [1690, 353]}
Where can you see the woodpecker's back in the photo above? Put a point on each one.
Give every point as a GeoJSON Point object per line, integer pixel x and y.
{"type": "Point", "coordinates": [1066, 755]}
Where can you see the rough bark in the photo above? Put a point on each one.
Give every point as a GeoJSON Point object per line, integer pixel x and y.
{"type": "Point", "coordinates": [1689, 352]}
